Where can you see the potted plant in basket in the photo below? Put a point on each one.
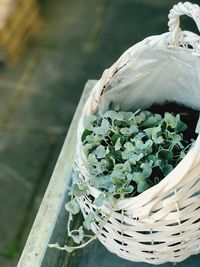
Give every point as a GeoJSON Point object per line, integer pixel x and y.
{"type": "Point", "coordinates": [136, 175]}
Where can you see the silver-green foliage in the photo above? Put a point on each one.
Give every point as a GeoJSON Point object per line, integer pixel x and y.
{"type": "Point", "coordinates": [126, 152]}
{"type": "Point", "coordinates": [129, 152]}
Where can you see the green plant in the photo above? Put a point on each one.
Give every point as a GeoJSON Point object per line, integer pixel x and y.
{"type": "Point", "coordinates": [126, 153]}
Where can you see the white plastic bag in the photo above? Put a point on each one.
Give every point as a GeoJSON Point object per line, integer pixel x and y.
{"type": "Point", "coordinates": [159, 74]}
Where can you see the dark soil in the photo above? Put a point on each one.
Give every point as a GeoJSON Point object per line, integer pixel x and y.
{"type": "Point", "coordinates": [187, 115]}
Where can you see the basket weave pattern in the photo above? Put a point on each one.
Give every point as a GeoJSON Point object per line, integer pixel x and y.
{"type": "Point", "coordinates": [162, 224]}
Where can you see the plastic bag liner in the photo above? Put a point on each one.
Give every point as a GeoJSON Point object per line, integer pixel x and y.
{"type": "Point", "coordinates": [156, 75]}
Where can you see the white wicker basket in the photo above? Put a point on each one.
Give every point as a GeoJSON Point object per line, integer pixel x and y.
{"type": "Point", "coordinates": [163, 223]}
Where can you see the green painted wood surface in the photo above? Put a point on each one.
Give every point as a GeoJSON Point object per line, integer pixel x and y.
{"type": "Point", "coordinates": [50, 222]}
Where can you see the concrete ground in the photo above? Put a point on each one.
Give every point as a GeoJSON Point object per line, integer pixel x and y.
{"type": "Point", "coordinates": [79, 39]}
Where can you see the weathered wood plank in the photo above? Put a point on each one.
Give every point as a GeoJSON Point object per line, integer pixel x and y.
{"type": "Point", "coordinates": [50, 222]}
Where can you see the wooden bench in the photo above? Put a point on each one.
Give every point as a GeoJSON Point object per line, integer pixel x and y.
{"type": "Point", "coordinates": [19, 23]}
{"type": "Point", "coordinates": [51, 220]}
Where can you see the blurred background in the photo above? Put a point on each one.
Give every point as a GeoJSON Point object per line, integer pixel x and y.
{"type": "Point", "coordinates": [48, 50]}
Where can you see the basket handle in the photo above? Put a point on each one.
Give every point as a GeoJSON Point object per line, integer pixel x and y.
{"type": "Point", "coordinates": [187, 8]}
